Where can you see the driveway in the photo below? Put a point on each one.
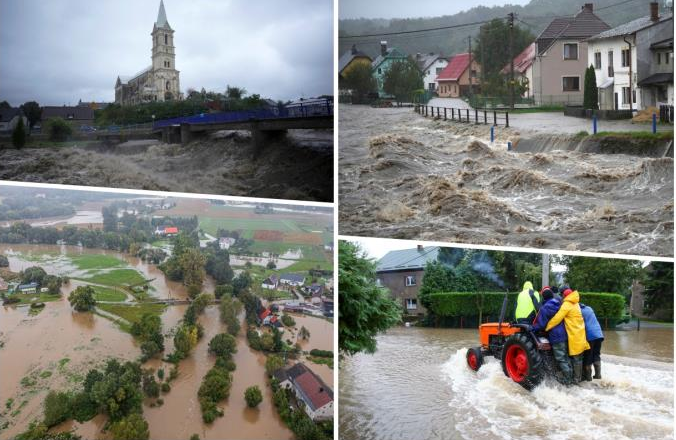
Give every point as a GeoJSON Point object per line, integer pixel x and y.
{"type": "Point", "coordinates": [554, 122]}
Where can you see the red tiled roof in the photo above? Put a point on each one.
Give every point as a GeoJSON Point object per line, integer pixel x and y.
{"type": "Point", "coordinates": [523, 60]}
{"type": "Point", "coordinates": [171, 230]}
{"type": "Point", "coordinates": [455, 68]}
{"type": "Point", "coordinates": [313, 389]}
{"type": "Point", "coordinates": [265, 313]}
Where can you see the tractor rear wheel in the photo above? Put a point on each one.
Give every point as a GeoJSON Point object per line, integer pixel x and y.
{"type": "Point", "coordinates": [474, 358]}
{"type": "Point", "coordinates": [522, 362]}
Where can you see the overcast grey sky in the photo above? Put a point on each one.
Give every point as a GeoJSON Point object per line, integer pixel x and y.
{"type": "Point", "coordinates": [412, 9]}
{"type": "Point", "coordinates": [59, 51]}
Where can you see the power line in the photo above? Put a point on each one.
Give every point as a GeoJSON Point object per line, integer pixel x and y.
{"type": "Point", "coordinates": [456, 26]}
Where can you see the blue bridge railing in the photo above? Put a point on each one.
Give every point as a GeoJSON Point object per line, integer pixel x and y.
{"type": "Point", "coordinates": [299, 109]}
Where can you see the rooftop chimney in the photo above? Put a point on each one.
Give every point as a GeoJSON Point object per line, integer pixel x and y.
{"type": "Point", "coordinates": [654, 11]}
{"type": "Point", "coordinates": [383, 48]}
{"type": "Point", "coordinates": [420, 248]}
{"type": "Point", "coordinates": [418, 55]}
{"type": "Point", "coordinates": [589, 7]}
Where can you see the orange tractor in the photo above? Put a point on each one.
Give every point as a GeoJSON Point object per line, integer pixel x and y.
{"type": "Point", "coordinates": [526, 357]}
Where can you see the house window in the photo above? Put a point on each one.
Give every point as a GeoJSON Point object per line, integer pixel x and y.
{"type": "Point", "coordinates": [411, 303]}
{"type": "Point", "coordinates": [410, 280]}
{"type": "Point", "coordinates": [439, 69]}
{"type": "Point", "coordinates": [625, 95]}
{"type": "Point", "coordinates": [626, 57]}
{"type": "Point", "coordinates": [611, 70]}
{"type": "Point", "coordinates": [570, 51]}
{"type": "Point", "coordinates": [597, 60]}
{"type": "Point", "coordinates": [379, 282]}
{"type": "Point", "coordinates": [571, 83]}
{"type": "Point", "coordinates": [380, 70]}
{"type": "Point", "coordinates": [659, 58]}
{"type": "Point", "coordinates": [666, 57]}
{"type": "Point", "coordinates": [633, 96]}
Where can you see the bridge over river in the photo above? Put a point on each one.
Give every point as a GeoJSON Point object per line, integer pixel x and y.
{"type": "Point", "coordinates": [264, 124]}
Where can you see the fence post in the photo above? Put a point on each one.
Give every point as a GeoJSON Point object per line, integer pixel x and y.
{"type": "Point", "coordinates": [452, 114]}
{"type": "Point", "coordinates": [476, 116]}
{"type": "Point", "coordinates": [594, 124]}
{"type": "Point", "coordinates": [444, 113]}
{"type": "Point", "coordinates": [654, 123]}
{"type": "Point", "coordinates": [506, 119]}
{"type": "Point", "coordinates": [467, 115]}
{"type": "Point", "coordinates": [485, 118]}
{"type": "Point", "coordinates": [495, 117]}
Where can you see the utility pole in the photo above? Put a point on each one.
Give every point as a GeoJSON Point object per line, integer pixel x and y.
{"type": "Point", "coordinates": [482, 42]}
{"type": "Point", "coordinates": [545, 270]}
{"type": "Point", "coordinates": [511, 59]}
{"type": "Point", "coordinates": [469, 41]}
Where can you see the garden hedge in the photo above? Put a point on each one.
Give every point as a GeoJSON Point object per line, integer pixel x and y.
{"type": "Point", "coordinates": [466, 304]}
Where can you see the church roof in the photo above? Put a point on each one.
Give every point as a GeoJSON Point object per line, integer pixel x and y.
{"type": "Point", "coordinates": [124, 79]}
{"type": "Point", "coordinates": [162, 17]}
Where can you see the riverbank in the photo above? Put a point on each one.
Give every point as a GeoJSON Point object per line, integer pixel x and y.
{"type": "Point", "coordinates": [417, 385]}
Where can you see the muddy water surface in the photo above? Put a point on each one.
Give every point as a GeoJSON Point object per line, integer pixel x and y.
{"type": "Point", "coordinates": [417, 385]}
{"type": "Point", "coordinates": [405, 176]}
{"type": "Point", "coordinates": [68, 344]}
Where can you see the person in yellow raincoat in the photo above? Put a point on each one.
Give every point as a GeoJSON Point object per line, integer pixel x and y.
{"type": "Point", "coordinates": [571, 315]}
{"type": "Point", "coordinates": [527, 304]}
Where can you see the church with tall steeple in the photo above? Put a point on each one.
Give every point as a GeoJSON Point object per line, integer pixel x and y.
{"type": "Point", "coordinates": [160, 80]}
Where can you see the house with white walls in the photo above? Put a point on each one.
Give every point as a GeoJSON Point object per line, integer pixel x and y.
{"type": "Point", "coordinates": [430, 65]}
{"type": "Point", "coordinates": [614, 55]}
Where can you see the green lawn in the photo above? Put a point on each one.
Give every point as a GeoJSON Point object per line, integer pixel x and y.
{"type": "Point", "coordinates": [38, 297]}
{"type": "Point", "coordinates": [211, 225]}
{"type": "Point", "coordinates": [305, 265]}
{"type": "Point", "coordinates": [96, 261]}
{"type": "Point", "coordinates": [116, 277]}
{"type": "Point", "coordinates": [132, 313]}
{"type": "Point", "coordinates": [108, 294]}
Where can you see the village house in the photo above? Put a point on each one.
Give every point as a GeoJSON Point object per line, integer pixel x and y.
{"type": "Point", "coordinates": [226, 242]}
{"type": "Point", "coordinates": [454, 80]}
{"type": "Point", "coordinates": [561, 57]}
{"type": "Point", "coordinates": [616, 53]}
{"type": "Point", "coordinates": [430, 65]}
{"type": "Point", "coordinates": [382, 64]}
{"type": "Point", "coordinates": [292, 279]}
{"type": "Point", "coordinates": [166, 231]}
{"type": "Point", "coordinates": [523, 69]}
{"type": "Point", "coordinates": [312, 394]}
{"type": "Point", "coordinates": [349, 60]}
{"type": "Point", "coordinates": [9, 117]}
{"type": "Point", "coordinates": [270, 282]}
{"type": "Point", "coordinates": [78, 117]}
{"type": "Point", "coordinates": [29, 288]}
{"type": "Point", "coordinates": [402, 272]}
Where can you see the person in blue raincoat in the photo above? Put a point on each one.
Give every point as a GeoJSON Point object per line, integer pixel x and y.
{"type": "Point", "coordinates": [558, 338]}
{"type": "Point", "coordinates": [595, 338]}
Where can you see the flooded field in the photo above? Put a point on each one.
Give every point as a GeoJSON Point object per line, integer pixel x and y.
{"type": "Point", "coordinates": [298, 167]}
{"type": "Point", "coordinates": [67, 344]}
{"type": "Point", "coordinates": [405, 176]}
{"type": "Point", "coordinates": [417, 385]}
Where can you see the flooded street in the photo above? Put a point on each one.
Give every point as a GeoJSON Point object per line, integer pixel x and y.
{"type": "Point", "coordinates": [417, 385]}
{"type": "Point", "coordinates": [296, 167]}
{"type": "Point", "coordinates": [67, 344]}
{"type": "Point", "coordinates": [405, 176]}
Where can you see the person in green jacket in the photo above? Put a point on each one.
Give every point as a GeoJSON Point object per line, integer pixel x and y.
{"type": "Point", "coordinates": [527, 304]}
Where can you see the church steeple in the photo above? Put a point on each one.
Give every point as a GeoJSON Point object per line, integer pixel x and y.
{"type": "Point", "coordinates": [162, 17]}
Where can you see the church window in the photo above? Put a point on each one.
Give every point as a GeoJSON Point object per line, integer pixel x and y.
{"type": "Point", "coordinates": [168, 63]}
{"type": "Point", "coordinates": [167, 86]}
{"type": "Point", "coordinates": [165, 39]}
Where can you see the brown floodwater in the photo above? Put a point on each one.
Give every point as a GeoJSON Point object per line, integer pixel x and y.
{"type": "Point", "coordinates": [417, 385]}
{"type": "Point", "coordinates": [35, 344]}
{"type": "Point", "coordinates": [409, 177]}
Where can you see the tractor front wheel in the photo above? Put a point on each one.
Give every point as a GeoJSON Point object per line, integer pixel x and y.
{"type": "Point", "coordinates": [474, 358]}
{"type": "Point", "coordinates": [522, 362]}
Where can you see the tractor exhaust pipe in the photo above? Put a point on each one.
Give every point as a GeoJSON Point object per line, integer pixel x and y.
{"type": "Point", "coordinates": [502, 313]}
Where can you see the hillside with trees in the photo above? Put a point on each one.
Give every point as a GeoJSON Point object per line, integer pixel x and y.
{"type": "Point", "coordinates": [534, 17]}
